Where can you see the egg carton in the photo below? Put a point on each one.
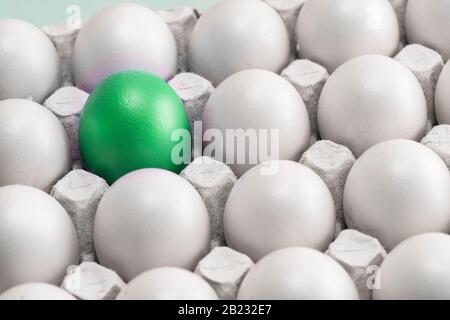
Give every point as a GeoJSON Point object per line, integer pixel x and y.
{"type": "Point", "coordinates": [80, 192]}
{"type": "Point", "coordinates": [91, 281]}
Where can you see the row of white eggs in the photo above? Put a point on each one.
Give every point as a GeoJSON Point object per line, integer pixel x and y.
{"type": "Point", "coordinates": [395, 190]}
{"type": "Point", "coordinates": [282, 221]}
{"type": "Point", "coordinates": [230, 37]}
{"type": "Point", "coordinates": [405, 274]}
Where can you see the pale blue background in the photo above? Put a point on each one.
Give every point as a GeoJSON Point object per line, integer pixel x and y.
{"type": "Point", "coordinates": [42, 12]}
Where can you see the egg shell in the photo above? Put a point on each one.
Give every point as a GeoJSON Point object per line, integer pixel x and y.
{"type": "Point", "coordinates": [371, 99]}
{"type": "Point", "coordinates": [257, 100]}
{"type": "Point", "coordinates": [123, 37]}
{"type": "Point", "coordinates": [428, 23]}
{"type": "Point", "coordinates": [397, 189]}
{"type": "Point", "coordinates": [417, 269]}
{"type": "Point", "coordinates": [35, 148]}
{"type": "Point", "coordinates": [29, 63]}
{"type": "Point", "coordinates": [151, 218]}
{"type": "Point", "coordinates": [290, 207]}
{"type": "Point", "coordinates": [297, 274]}
{"type": "Point", "coordinates": [36, 291]}
{"type": "Point", "coordinates": [442, 96]}
{"type": "Point", "coordinates": [331, 32]}
{"type": "Point", "coordinates": [167, 284]}
{"type": "Point", "coordinates": [235, 35]}
{"type": "Point", "coordinates": [37, 238]}
{"type": "Point", "coordinates": [128, 123]}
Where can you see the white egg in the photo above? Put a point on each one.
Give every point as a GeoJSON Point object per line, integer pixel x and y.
{"type": "Point", "coordinates": [428, 23]}
{"type": "Point", "coordinates": [442, 98]}
{"type": "Point", "coordinates": [397, 189]}
{"type": "Point", "coordinates": [236, 35]}
{"type": "Point", "coordinates": [167, 284]}
{"type": "Point", "coordinates": [417, 269]}
{"type": "Point", "coordinates": [297, 274]}
{"type": "Point", "coordinates": [331, 32]}
{"type": "Point", "coordinates": [36, 291]}
{"type": "Point", "coordinates": [29, 63]}
{"type": "Point", "coordinates": [371, 99]}
{"type": "Point", "coordinates": [276, 205]}
{"type": "Point", "coordinates": [38, 240]}
{"type": "Point", "coordinates": [123, 37]}
{"type": "Point", "coordinates": [34, 145]}
{"type": "Point", "coordinates": [151, 218]}
{"type": "Point", "coordinates": [263, 106]}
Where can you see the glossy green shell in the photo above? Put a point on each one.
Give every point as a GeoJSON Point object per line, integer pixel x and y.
{"type": "Point", "coordinates": [127, 124]}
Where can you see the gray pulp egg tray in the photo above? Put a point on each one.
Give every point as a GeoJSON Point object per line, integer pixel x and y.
{"type": "Point", "coordinates": [80, 191]}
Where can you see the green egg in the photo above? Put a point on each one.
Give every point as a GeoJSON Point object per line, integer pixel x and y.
{"type": "Point", "coordinates": [132, 121]}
